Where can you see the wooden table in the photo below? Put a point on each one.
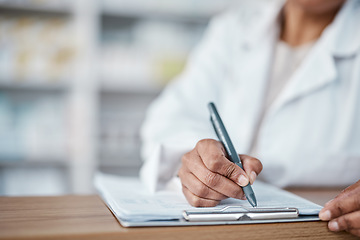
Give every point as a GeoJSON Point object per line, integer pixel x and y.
{"type": "Point", "coordinates": [87, 217]}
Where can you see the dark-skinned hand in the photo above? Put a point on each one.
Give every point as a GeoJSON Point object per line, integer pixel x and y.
{"type": "Point", "coordinates": [208, 177]}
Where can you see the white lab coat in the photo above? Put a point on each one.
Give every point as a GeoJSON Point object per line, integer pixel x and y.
{"type": "Point", "coordinates": [310, 136]}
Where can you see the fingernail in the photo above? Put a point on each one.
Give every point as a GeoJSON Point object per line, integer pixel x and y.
{"type": "Point", "coordinates": [243, 181]}
{"type": "Point", "coordinates": [253, 176]}
{"type": "Point", "coordinates": [333, 226]}
{"type": "Point", "coordinates": [325, 216]}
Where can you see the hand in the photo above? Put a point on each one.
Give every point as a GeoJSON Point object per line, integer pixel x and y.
{"type": "Point", "coordinates": [208, 177]}
{"type": "Point", "coordinates": [344, 211]}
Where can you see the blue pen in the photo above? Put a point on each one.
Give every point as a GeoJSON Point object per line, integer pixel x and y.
{"type": "Point", "coordinates": [226, 141]}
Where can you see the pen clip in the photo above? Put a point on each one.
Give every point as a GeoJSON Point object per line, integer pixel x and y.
{"type": "Point", "coordinates": [214, 126]}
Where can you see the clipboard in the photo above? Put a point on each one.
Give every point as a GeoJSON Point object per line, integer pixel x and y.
{"type": "Point", "coordinates": [226, 217]}
{"type": "Point", "coordinates": [133, 206]}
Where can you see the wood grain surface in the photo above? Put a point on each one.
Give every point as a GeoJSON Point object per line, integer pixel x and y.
{"type": "Point", "coordinates": [87, 217]}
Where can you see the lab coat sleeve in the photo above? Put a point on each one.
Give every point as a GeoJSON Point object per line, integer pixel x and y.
{"type": "Point", "coordinates": [179, 118]}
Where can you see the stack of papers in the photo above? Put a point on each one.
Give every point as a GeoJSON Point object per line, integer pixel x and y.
{"type": "Point", "coordinates": [131, 202]}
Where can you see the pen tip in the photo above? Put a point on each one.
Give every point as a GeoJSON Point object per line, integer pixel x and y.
{"type": "Point", "coordinates": [252, 200]}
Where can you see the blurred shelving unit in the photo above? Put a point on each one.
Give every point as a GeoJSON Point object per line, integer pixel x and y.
{"type": "Point", "coordinates": [121, 113]}
{"type": "Point", "coordinates": [41, 48]}
{"type": "Point", "coordinates": [52, 8]}
{"type": "Point", "coordinates": [76, 78]}
{"type": "Point", "coordinates": [41, 87]}
{"type": "Point", "coordinates": [142, 45]}
{"type": "Point", "coordinates": [156, 14]}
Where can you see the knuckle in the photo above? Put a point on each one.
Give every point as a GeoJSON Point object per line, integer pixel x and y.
{"type": "Point", "coordinates": [203, 191]}
{"type": "Point", "coordinates": [212, 179]}
{"type": "Point", "coordinates": [183, 188]}
{"type": "Point", "coordinates": [214, 163]}
{"type": "Point", "coordinates": [229, 170]}
{"type": "Point", "coordinates": [192, 199]}
{"type": "Point", "coordinates": [185, 158]}
{"type": "Point", "coordinates": [339, 209]}
{"type": "Point", "coordinates": [357, 201]}
{"type": "Point", "coordinates": [182, 173]}
{"type": "Point", "coordinates": [345, 223]}
{"type": "Point", "coordinates": [205, 143]}
{"type": "Point", "coordinates": [185, 192]}
{"type": "Point", "coordinates": [196, 201]}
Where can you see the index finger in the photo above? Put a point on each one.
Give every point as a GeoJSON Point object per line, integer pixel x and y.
{"type": "Point", "coordinates": [213, 156]}
{"type": "Point", "coordinates": [216, 181]}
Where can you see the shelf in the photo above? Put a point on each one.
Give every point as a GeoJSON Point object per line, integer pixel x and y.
{"type": "Point", "coordinates": [122, 171]}
{"type": "Point", "coordinates": [34, 163]}
{"type": "Point", "coordinates": [122, 164]}
{"type": "Point", "coordinates": [199, 18]}
{"type": "Point", "coordinates": [135, 89]}
{"type": "Point", "coordinates": [32, 86]}
{"type": "Point", "coordinates": [51, 10]}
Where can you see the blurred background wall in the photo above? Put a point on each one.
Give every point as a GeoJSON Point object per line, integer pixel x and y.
{"type": "Point", "coordinates": [76, 77]}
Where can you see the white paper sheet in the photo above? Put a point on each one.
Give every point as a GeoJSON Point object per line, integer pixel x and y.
{"type": "Point", "coordinates": [130, 200]}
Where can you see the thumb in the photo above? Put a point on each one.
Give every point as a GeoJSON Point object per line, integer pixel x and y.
{"type": "Point", "coordinates": [243, 179]}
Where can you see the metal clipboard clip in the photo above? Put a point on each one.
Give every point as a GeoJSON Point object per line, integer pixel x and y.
{"type": "Point", "coordinates": [241, 214]}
